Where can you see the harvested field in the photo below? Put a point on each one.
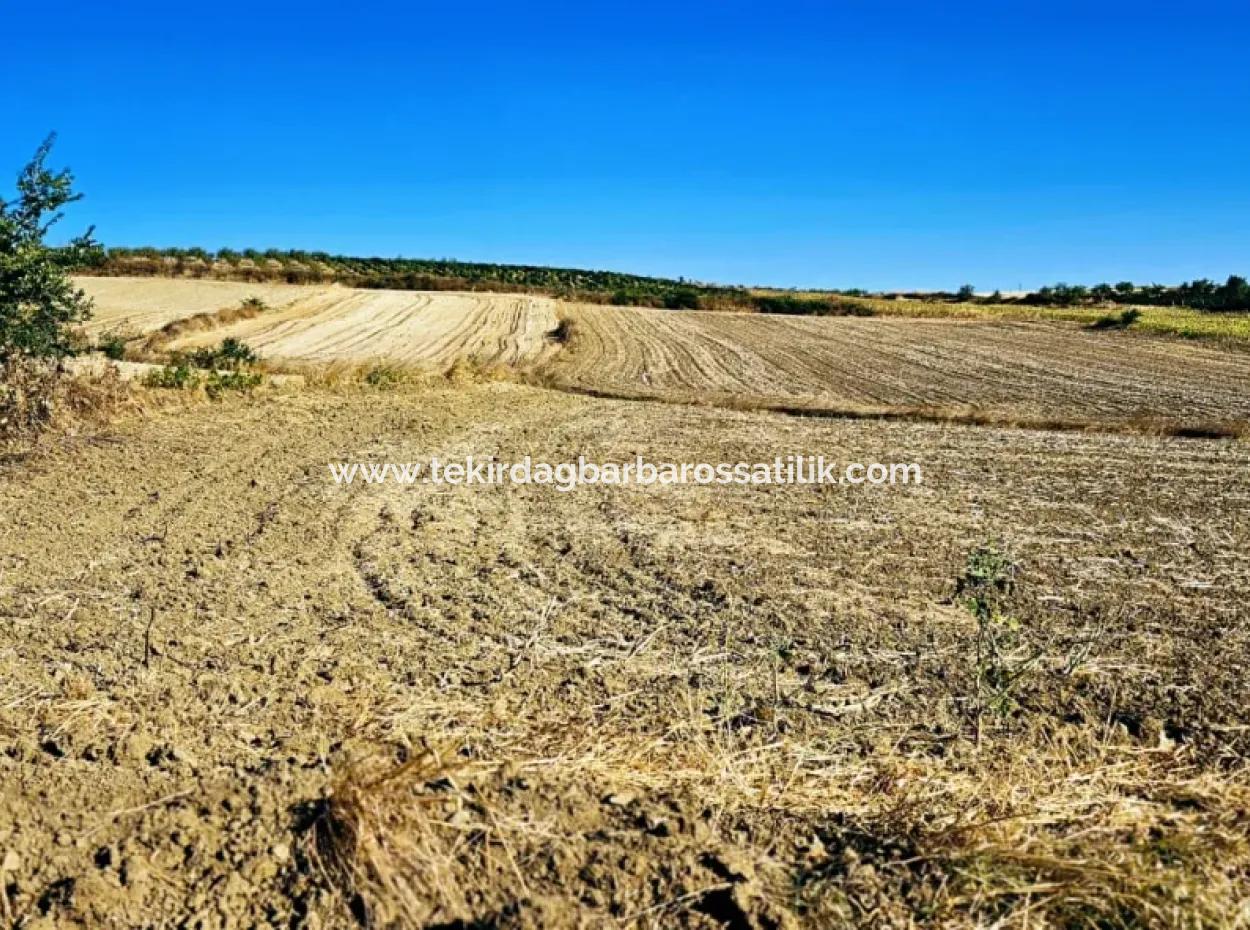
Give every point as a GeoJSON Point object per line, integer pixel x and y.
{"type": "Point", "coordinates": [233, 692]}
{"type": "Point", "coordinates": [1033, 371]}
{"type": "Point", "coordinates": [401, 327]}
{"type": "Point", "coordinates": [337, 324]}
{"type": "Point", "coordinates": [982, 371]}
{"type": "Point", "coordinates": [137, 306]}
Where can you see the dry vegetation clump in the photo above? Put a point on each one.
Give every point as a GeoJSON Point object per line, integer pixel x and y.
{"type": "Point", "coordinates": [471, 370]}
{"type": "Point", "coordinates": [156, 345]}
{"type": "Point", "coordinates": [38, 396]}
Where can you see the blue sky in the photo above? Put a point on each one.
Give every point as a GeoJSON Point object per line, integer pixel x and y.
{"type": "Point", "coordinates": [877, 145]}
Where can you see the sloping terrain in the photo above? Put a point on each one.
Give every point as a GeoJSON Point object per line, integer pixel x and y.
{"type": "Point", "coordinates": [235, 693]}
{"type": "Point", "coordinates": [136, 306]}
{"type": "Point", "coordinates": [1032, 372]}
{"type": "Point", "coordinates": [1030, 369]}
{"type": "Point", "coordinates": [405, 327]}
{"type": "Point", "coordinates": [331, 324]}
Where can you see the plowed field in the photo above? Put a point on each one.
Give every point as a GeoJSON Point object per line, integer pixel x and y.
{"type": "Point", "coordinates": [1031, 369]}
{"type": "Point", "coordinates": [236, 693]}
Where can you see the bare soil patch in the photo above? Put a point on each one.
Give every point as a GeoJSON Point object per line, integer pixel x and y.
{"type": "Point", "coordinates": [235, 693]}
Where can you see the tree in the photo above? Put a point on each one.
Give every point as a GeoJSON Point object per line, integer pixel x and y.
{"type": "Point", "coordinates": [38, 303]}
{"type": "Point", "coordinates": [1235, 294]}
{"type": "Point", "coordinates": [965, 293]}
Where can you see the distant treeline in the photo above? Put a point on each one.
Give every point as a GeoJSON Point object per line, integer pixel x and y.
{"type": "Point", "coordinates": [299, 267]}
{"type": "Point", "coordinates": [1230, 297]}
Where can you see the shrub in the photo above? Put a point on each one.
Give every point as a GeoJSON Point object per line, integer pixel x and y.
{"type": "Point", "coordinates": [682, 299]}
{"type": "Point", "coordinates": [219, 382]}
{"type": "Point", "coordinates": [231, 355]}
{"type": "Point", "coordinates": [112, 345]}
{"type": "Point", "coordinates": [811, 306]}
{"type": "Point", "coordinates": [383, 376]}
{"type": "Point", "coordinates": [38, 302]}
{"type": "Point", "coordinates": [1116, 320]}
{"type": "Point", "coordinates": [39, 305]}
{"type": "Point", "coordinates": [178, 376]}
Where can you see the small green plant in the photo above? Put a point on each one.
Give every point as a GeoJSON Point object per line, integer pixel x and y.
{"type": "Point", "coordinates": [231, 355]}
{"type": "Point", "coordinates": [254, 305]}
{"type": "Point", "coordinates": [1004, 654]}
{"type": "Point", "coordinates": [219, 382]}
{"type": "Point", "coordinates": [112, 345]}
{"type": "Point", "coordinates": [178, 376]}
{"type": "Point", "coordinates": [383, 376]}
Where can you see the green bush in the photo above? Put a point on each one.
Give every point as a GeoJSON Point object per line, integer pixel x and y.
{"type": "Point", "coordinates": [39, 305]}
{"type": "Point", "coordinates": [1116, 320]}
{"type": "Point", "coordinates": [112, 345]}
{"type": "Point", "coordinates": [232, 355]}
{"type": "Point", "coordinates": [682, 299]}
{"type": "Point", "coordinates": [218, 382]}
{"type": "Point", "coordinates": [178, 376]}
{"type": "Point", "coordinates": [383, 376]}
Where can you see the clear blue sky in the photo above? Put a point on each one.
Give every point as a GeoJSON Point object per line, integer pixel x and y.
{"type": "Point", "coordinates": [918, 144]}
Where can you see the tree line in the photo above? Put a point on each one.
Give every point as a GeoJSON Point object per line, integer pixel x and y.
{"type": "Point", "coordinates": [1233, 296]}
{"type": "Point", "coordinates": [295, 266]}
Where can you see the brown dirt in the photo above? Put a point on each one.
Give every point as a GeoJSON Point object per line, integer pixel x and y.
{"type": "Point", "coordinates": [233, 693]}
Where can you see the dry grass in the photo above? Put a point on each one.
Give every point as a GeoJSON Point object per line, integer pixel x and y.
{"type": "Point", "coordinates": [38, 399]}
{"type": "Point", "coordinates": [1028, 833]}
{"type": "Point", "coordinates": [1230, 329]}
